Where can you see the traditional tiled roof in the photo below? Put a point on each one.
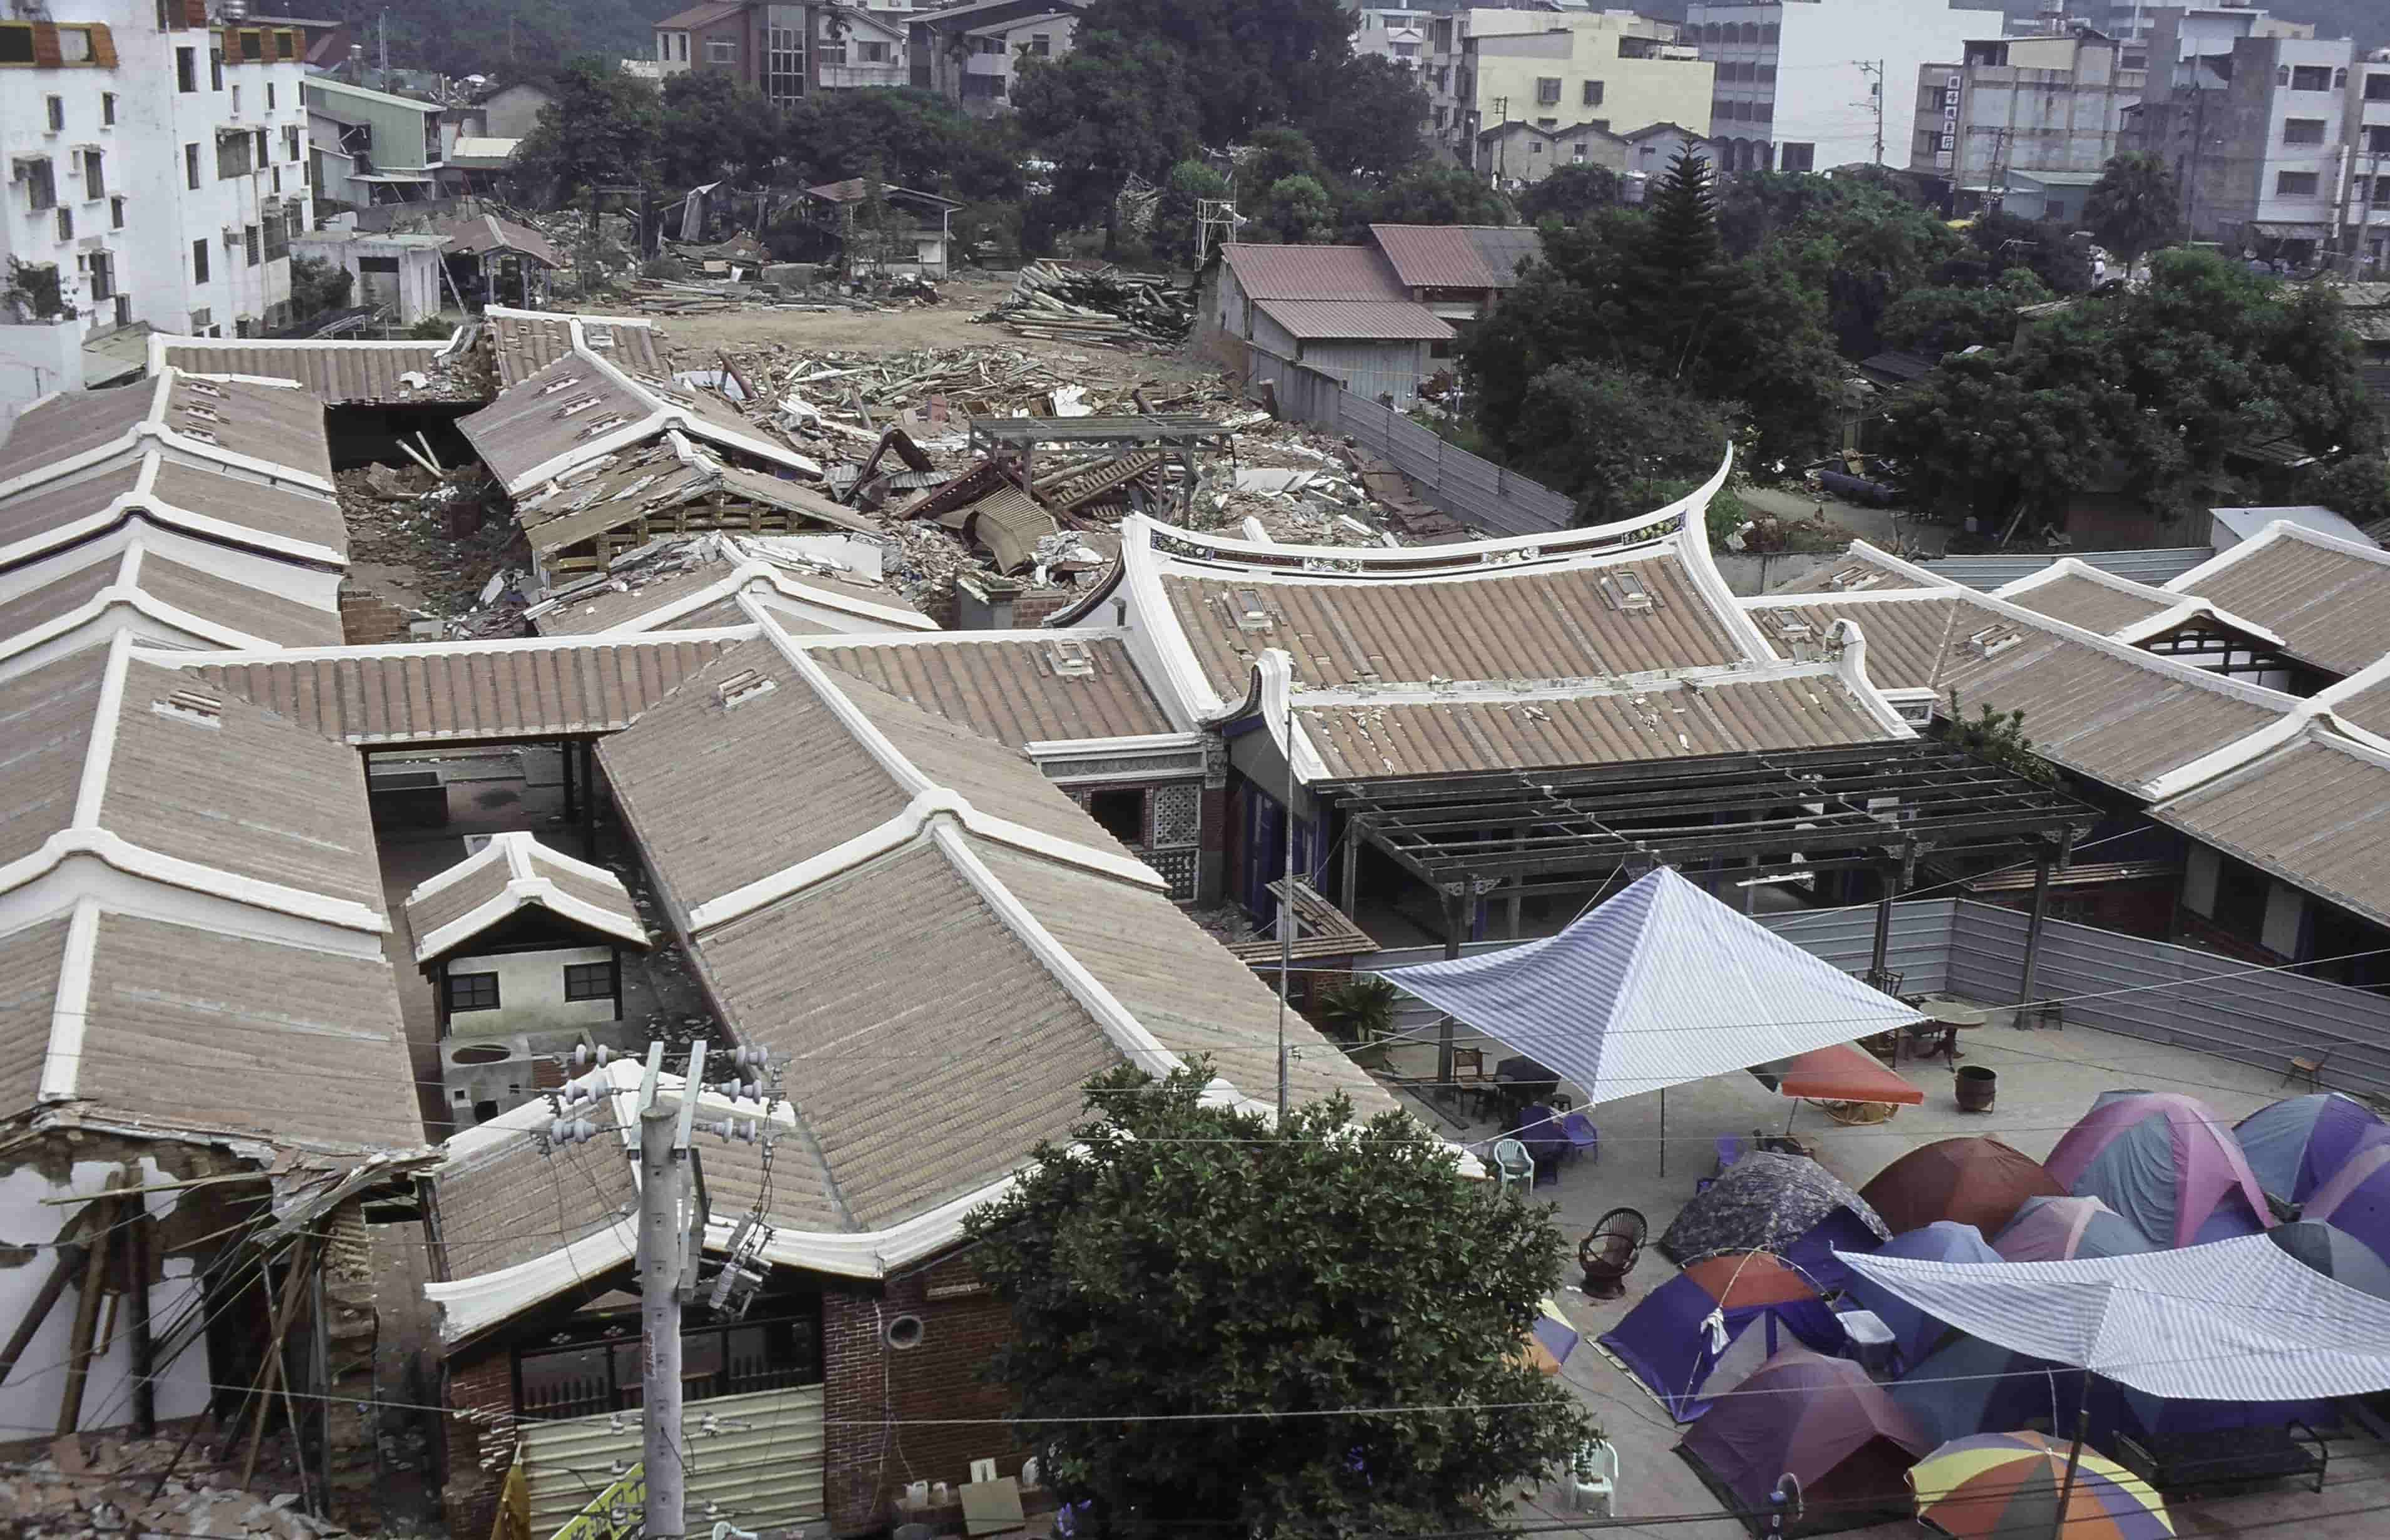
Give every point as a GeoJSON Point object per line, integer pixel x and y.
{"type": "Point", "coordinates": [510, 873]}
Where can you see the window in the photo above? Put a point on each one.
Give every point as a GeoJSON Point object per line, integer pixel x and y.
{"type": "Point", "coordinates": [663, 47]}
{"type": "Point", "coordinates": [95, 186]}
{"type": "Point", "coordinates": [2310, 77]}
{"type": "Point", "coordinates": [1041, 45]}
{"type": "Point", "coordinates": [103, 278]}
{"type": "Point", "coordinates": [250, 246]}
{"type": "Point", "coordinates": [269, 95]}
{"type": "Point", "coordinates": [1546, 122]}
{"type": "Point", "coordinates": [684, 48]}
{"type": "Point", "coordinates": [58, 111]}
{"type": "Point", "coordinates": [2377, 140]}
{"type": "Point", "coordinates": [235, 99]}
{"type": "Point", "coordinates": [40, 185]}
{"type": "Point", "coordinates": [472, 992]}
{"type": "Point", "coordinates": [720, 50]}
{"type": "Point", "coordinates": [66, 223]}
{"type": "Point", "coordinates": [259, 151]}
{"type": "Point", "coordinates": [2377, 88]}
{"type": "Point", "coordinates": [1593, 92]}
{"type": "Point", "coordinates": [871, 53]}
{"type": "Point", "coordinates": [1120, 809]}
{"type": "Point", "coordinates": [1799, 158]}
{"type": "Point", "coordinates": [2381, 190]}
{"type": "Point", "coordinates": [191, 166]}
{"type": "Point", "coordinates": [1548, 92]}
{"type": "Point", "coordinates": [589, 980]}
{"type": "Point", "coordinates": [1535, 146]}
{"type": "Point", "coordinates": [1767, 74]}
{"type": "Point", "coordinates": [784, 65]}
{"type": "Point", "coordinates": [199, 260]}
{"type": "Point", "coordinates": [600, 1373]}
{"type": "Point", "coordinates": [249, 45]}
{"type": "Point", "coordinates": [834, 50]}
{"type": "Point", "coordinates": [215, 69]}
{"type": "Point", "coordinates": [1577, 150]}
{"type": "Point", "coordinates": [187, 69]}
{"type": "Point", "coordinates": [2303, 131]}
{"type": "Point", "coordinates": [291, 141]}
{"type": "Point", "coordinates": [108, 110]}
{"type": "Point", "coordinates": [2295, 184]}
{"type": "Point", "coordinates": [116, 214]}
{"type": "Point", "coordinates": [285, 47]}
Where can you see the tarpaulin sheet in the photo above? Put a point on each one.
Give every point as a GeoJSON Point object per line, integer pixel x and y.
{"type": "Point", "coordinates": [1842, 1072]}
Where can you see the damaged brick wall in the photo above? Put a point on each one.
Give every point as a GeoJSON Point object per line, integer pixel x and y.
{"type": "Point", "coordinates": [866, 1380]}
{"type": "Point", "coordinates": [481, 1435]}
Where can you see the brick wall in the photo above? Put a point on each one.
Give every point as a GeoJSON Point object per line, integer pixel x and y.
{"type": "Point", "coordinates": [369, 620]}
{"type": "Point", "coordinates": [1029, 610]}
{"type": "Point", "coordinates": [480, 1379]}
{"type": "Point", "coordinates": [865, 1380]}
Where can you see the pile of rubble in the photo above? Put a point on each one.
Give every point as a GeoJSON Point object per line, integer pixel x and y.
{"type": "Point", "coordinates": [110, 1487]}
{"type": "Point", "coordinates": [1068, 304]}
{"type": "Point", "coordinates": [443, 531]}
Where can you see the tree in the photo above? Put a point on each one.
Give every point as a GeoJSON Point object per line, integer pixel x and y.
{"type": "Point", "coordinates": [1568, 193]}
{"type": "Point", "coordinates": [1244, 63]}
{"type": "Point", "coordinates": [1296, 211]}
{"type": "Point", "coordinates": [1111, 109]}
{"type": "Point", "coordinates": [1677, 276]}
{"type": "Point", "coordinates": [1437, 193]}
{"type": "Point", "coordinates": [1939, 320]}
{"type": "Point", "coordinates": [602, 128]}
{"type": "Point", "coordinates": [1607, 436]}
{"type": "Point", "coordinates": [917, 138]}
{"type": "Point", "coordinates": [2134, 207]}
{"type": "Point", "coordinates": [711, 129]}
{"type": "Point", "coordinates": [1178, 1260]}
{"type": "Point", "coordinates": [1367, 125]}
{"type": "Point", "coordinates": [1188, 183]}
{"type": "Point", "coordinates": [318, 286]}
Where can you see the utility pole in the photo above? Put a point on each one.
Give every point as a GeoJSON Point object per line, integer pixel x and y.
{"type": "Point", "coordinates": [672, 1218]}
{"type": "Point", "coordinates": [1875, 99]}
{"type": "Point", "coordinates": [384, 82]}
{"type": "Point", "coordinates": [1502, 145]}
{"type": "Point", "coordinates": [1286, 905]}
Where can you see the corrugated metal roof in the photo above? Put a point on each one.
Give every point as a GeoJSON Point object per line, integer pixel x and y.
{"type": "Point", "coordinates": [1674, 722]}
{"type": "Point", "coordinates": [489, 233]}
{"type": "Point", "coordinates": [2087, 602]}
{"type": "Point", "coordinates": [1433, 256]}
{"type": "Point", "coordinates": [1368, 321]}
{"type": "Point", "coordinates": [445, 692]}
{"type": "Point", "coordinates": [2156, 566]}
{"type": "Point", "coordinates": [1503, 248]}
{"type": "Point", "coordinates": [2331, 606]}
{"type": "Point", "coordinates": [338, 374]}
{"type": "Point", "coordinates": [1312, 272]}
{"type": "Point", "coordinates": [1011, 689]}
{"type": "Point", "coordinates": [1565, 623]}
{"type": "Point", "coordinates": [2315, 814]}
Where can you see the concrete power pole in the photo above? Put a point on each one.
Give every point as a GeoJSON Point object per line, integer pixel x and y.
{"type": "Point", "coordinates": [1875, 99]}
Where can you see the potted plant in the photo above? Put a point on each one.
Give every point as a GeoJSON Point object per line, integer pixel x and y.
{"type": "Point", "coordinates": [1359, 1011]}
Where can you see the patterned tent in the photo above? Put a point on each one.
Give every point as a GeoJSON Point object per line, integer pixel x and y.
{"type": "Point", "coordinates": [2297, 1145]}
{"type": "Point", "coordinates": [1763, 1202]}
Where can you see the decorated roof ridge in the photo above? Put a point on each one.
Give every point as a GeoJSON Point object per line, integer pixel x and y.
{"type": "Point", "coordinates": [124, 589]}
{"type": "Point", "coordinates": [2272, 534]}
{"type": "Point", "coordinates": [184, 658]}
{"type": "Point", "coordinates": [524, 885]}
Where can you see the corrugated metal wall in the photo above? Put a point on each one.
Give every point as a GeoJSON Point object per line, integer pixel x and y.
{"type": "Point", "coordinates": [763, 1469]}
{"type": "Point", "coordinates": [1371, 370]}
{"type": "Point", "coordinates": [1473, 490]}
{"type": "Point", "coordinates": [2119, 984]}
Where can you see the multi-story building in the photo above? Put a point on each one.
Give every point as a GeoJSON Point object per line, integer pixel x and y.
{"type": "Point", "coordinates": [1613, 71]}
{"type": "Point", "coordinates": [2026, 124]}
{"type": "Point", "coordinates": [786, 52]}
{"type": "Point", "coordinates": [2254, 117]}
{"type": "Point", "coordinates": [1811, 84]}
{"type": "Point", "coordinates": [972, 54]}
{"type": "Point", "coordinates": [2366, 216]}
{"type": "Point", "coordinates": [156, 161]}
{"type": "Point", "coordinates": [372, 148]}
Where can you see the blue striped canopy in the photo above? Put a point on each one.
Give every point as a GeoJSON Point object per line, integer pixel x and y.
{"type": "Point", "coordinates": [1661, 985]}
{"type": "Point", "coordinates": [2234, 1320]}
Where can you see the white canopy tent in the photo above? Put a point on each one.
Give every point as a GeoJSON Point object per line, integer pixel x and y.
{"type": "Point", "coordinates": [2234, 1320]}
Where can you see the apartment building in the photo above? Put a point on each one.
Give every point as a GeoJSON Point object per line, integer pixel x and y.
{"type": "Point", "coordinates": [156, 161]}
{"type": "Point", "coordinates": [1609, 71]}
{"type": "Point", "coordinates": [972, 54]}
{"type": "Point", "coordinates": [2366, 216]}
{"type": "Point", "coordinates": [1811, 84]}
{"type": "Point", "coordinates": [2254, 117]}
{"type": "Point", "coordinates": [2026, 125]}
{"type": "Point", "coordinates": [786, 52]}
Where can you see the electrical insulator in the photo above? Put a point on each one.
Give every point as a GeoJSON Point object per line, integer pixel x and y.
{"type": "Point", "coordinates": [586, 1058]}
{"type": "Point", "coordinates": [571, 1130]}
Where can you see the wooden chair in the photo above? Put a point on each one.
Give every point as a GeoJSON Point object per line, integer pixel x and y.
{"type": "Point", "coordinates": [2309, 1067]}
{"type": "Point", "coordinates": [1611, 1251]}
{"type": "Point", "coordinates": [1469, 1081]}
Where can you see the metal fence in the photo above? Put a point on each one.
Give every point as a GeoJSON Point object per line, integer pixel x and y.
{"type": "Point", "coordinates": [2125, 984]}
{"type": "Point", "coordinates": [1472, 490]}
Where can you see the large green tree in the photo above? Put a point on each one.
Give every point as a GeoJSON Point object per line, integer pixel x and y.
{"type": "Point", "coordinates": [1116, 107]}
{"type": "Point", "coordinates": [2134, 207]}
{"type": "Point", "coordinates": [1366, 124]}
{"type": "Point", "coordinates": [1178, 1268]}
{"type": "Point", "coordinates": [1570, 193]}
{"type": "Point", "coordinates": [1243, 63]}
{"type": "Point", "coordinates": [711, 129]}
{"type": "Point", "coordinates": [1608, 437]}
{"type": "Point", "coordinates": [917, 138]}
{"type": "Point", "coordinates": [1435, 193]}
{"type": "Point", "coordinates": [603, 127]}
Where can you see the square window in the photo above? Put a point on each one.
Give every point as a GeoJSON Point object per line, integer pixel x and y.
{"type": "Point", "coordinates": [1120, 809]}
{"type": "Point", "coordinates": [589, 980]}
{"type": "Point", "coordinates": [720, 50]}
{"type": "Point", "coordinates": [2311, 77]}
{"type": "Point", "coordinates": [472, 992]}
{"type": "Point", "coordinates": [1548, 92]}
{"type": "Point", "coordinates": [2303, 131]}
{"type": "Point", "coordinates": [1593, 92]}
{"type": "Point", "coordinates": [1799, 158]}
{"type": "Point", "coordinates": [2295, 184]}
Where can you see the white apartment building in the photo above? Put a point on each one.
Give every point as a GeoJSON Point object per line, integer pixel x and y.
{"type": "Point", "coordinates": [2026, 124]}
{"type": "Point", "coordinates": [2367, 217]}
{"type": "Point", "coordinates": [157, 159]}
{"type": "Point", "coordinates": [1811, 84]}
{"type": "Point", "coordinates": [1617, 71]}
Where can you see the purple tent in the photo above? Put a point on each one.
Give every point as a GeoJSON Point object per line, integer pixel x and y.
{"type": "Point", "coordinates": [1765, 1304]}
{"type": "Point", "coordinates": [2294, 1146]}
{"type": "Point", "coordinates": [2166, 1163]}
{"type": "Point", "coordinates": [1914, 1331]}
{"type": "Point", "coordinates": [2356, 1198]}
{"type": "Point", "coordinates": [1823, 1421]}
{"type": "Point", "coordinates": [2054, 1229]}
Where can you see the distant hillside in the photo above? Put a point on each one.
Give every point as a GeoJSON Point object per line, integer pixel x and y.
{"type": "Point", "coordinates": [467, 37]}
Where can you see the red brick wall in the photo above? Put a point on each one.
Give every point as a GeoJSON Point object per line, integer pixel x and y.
{"type": "Point", "coordinates": [480, 1379]}
{"type": "Point", "coordinates": [1029, 611]}
{"type": "Point", "coordinates": [865, 1382]}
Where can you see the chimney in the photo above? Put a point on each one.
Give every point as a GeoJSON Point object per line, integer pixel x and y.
{"type": "Point", "coordinates": [983, 602]}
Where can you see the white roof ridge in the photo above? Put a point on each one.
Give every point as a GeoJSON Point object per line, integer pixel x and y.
{"type": "Point", "coordinates": [463, 647]}
{"type": "Point", "coordinates": [2176, 608]}
{"type": "Point", "coordinates": [113, 850]}
{"type": "Point", "coordinates": [1850, 596]}
{"type": "Point", "coordinates": [2266, 539]}
{"type": "Point", "coordinates": [1559, 688]}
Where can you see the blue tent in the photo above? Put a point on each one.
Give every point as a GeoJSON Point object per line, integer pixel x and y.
{"type": "Point", "coordinates": [1969, 1386]}
{"type": "Point", "coordinates": [1762, 1304]}
{"type": "Point", "coordinates": [2297, 1145]}
{"type": "Point", "coordinates": [1914, 1332]}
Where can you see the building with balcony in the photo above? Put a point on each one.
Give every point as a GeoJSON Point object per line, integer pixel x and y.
{"type": "Point", "coordinates": [1612, 71]}
{"type": "Point", "coordinates": [786, 52]}
{"type": "Point", "coordinates": [2364, 213]}
{"type": "Point", "coordinates": [1812, 85]}
{"type": "Point", "coordinates": [157, 165]}
{"type": "Point", "coordinates": [972, 54]}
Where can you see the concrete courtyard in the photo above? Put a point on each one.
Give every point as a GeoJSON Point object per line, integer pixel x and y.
{"type": "Point", "coordinates": [2048, 1079]}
